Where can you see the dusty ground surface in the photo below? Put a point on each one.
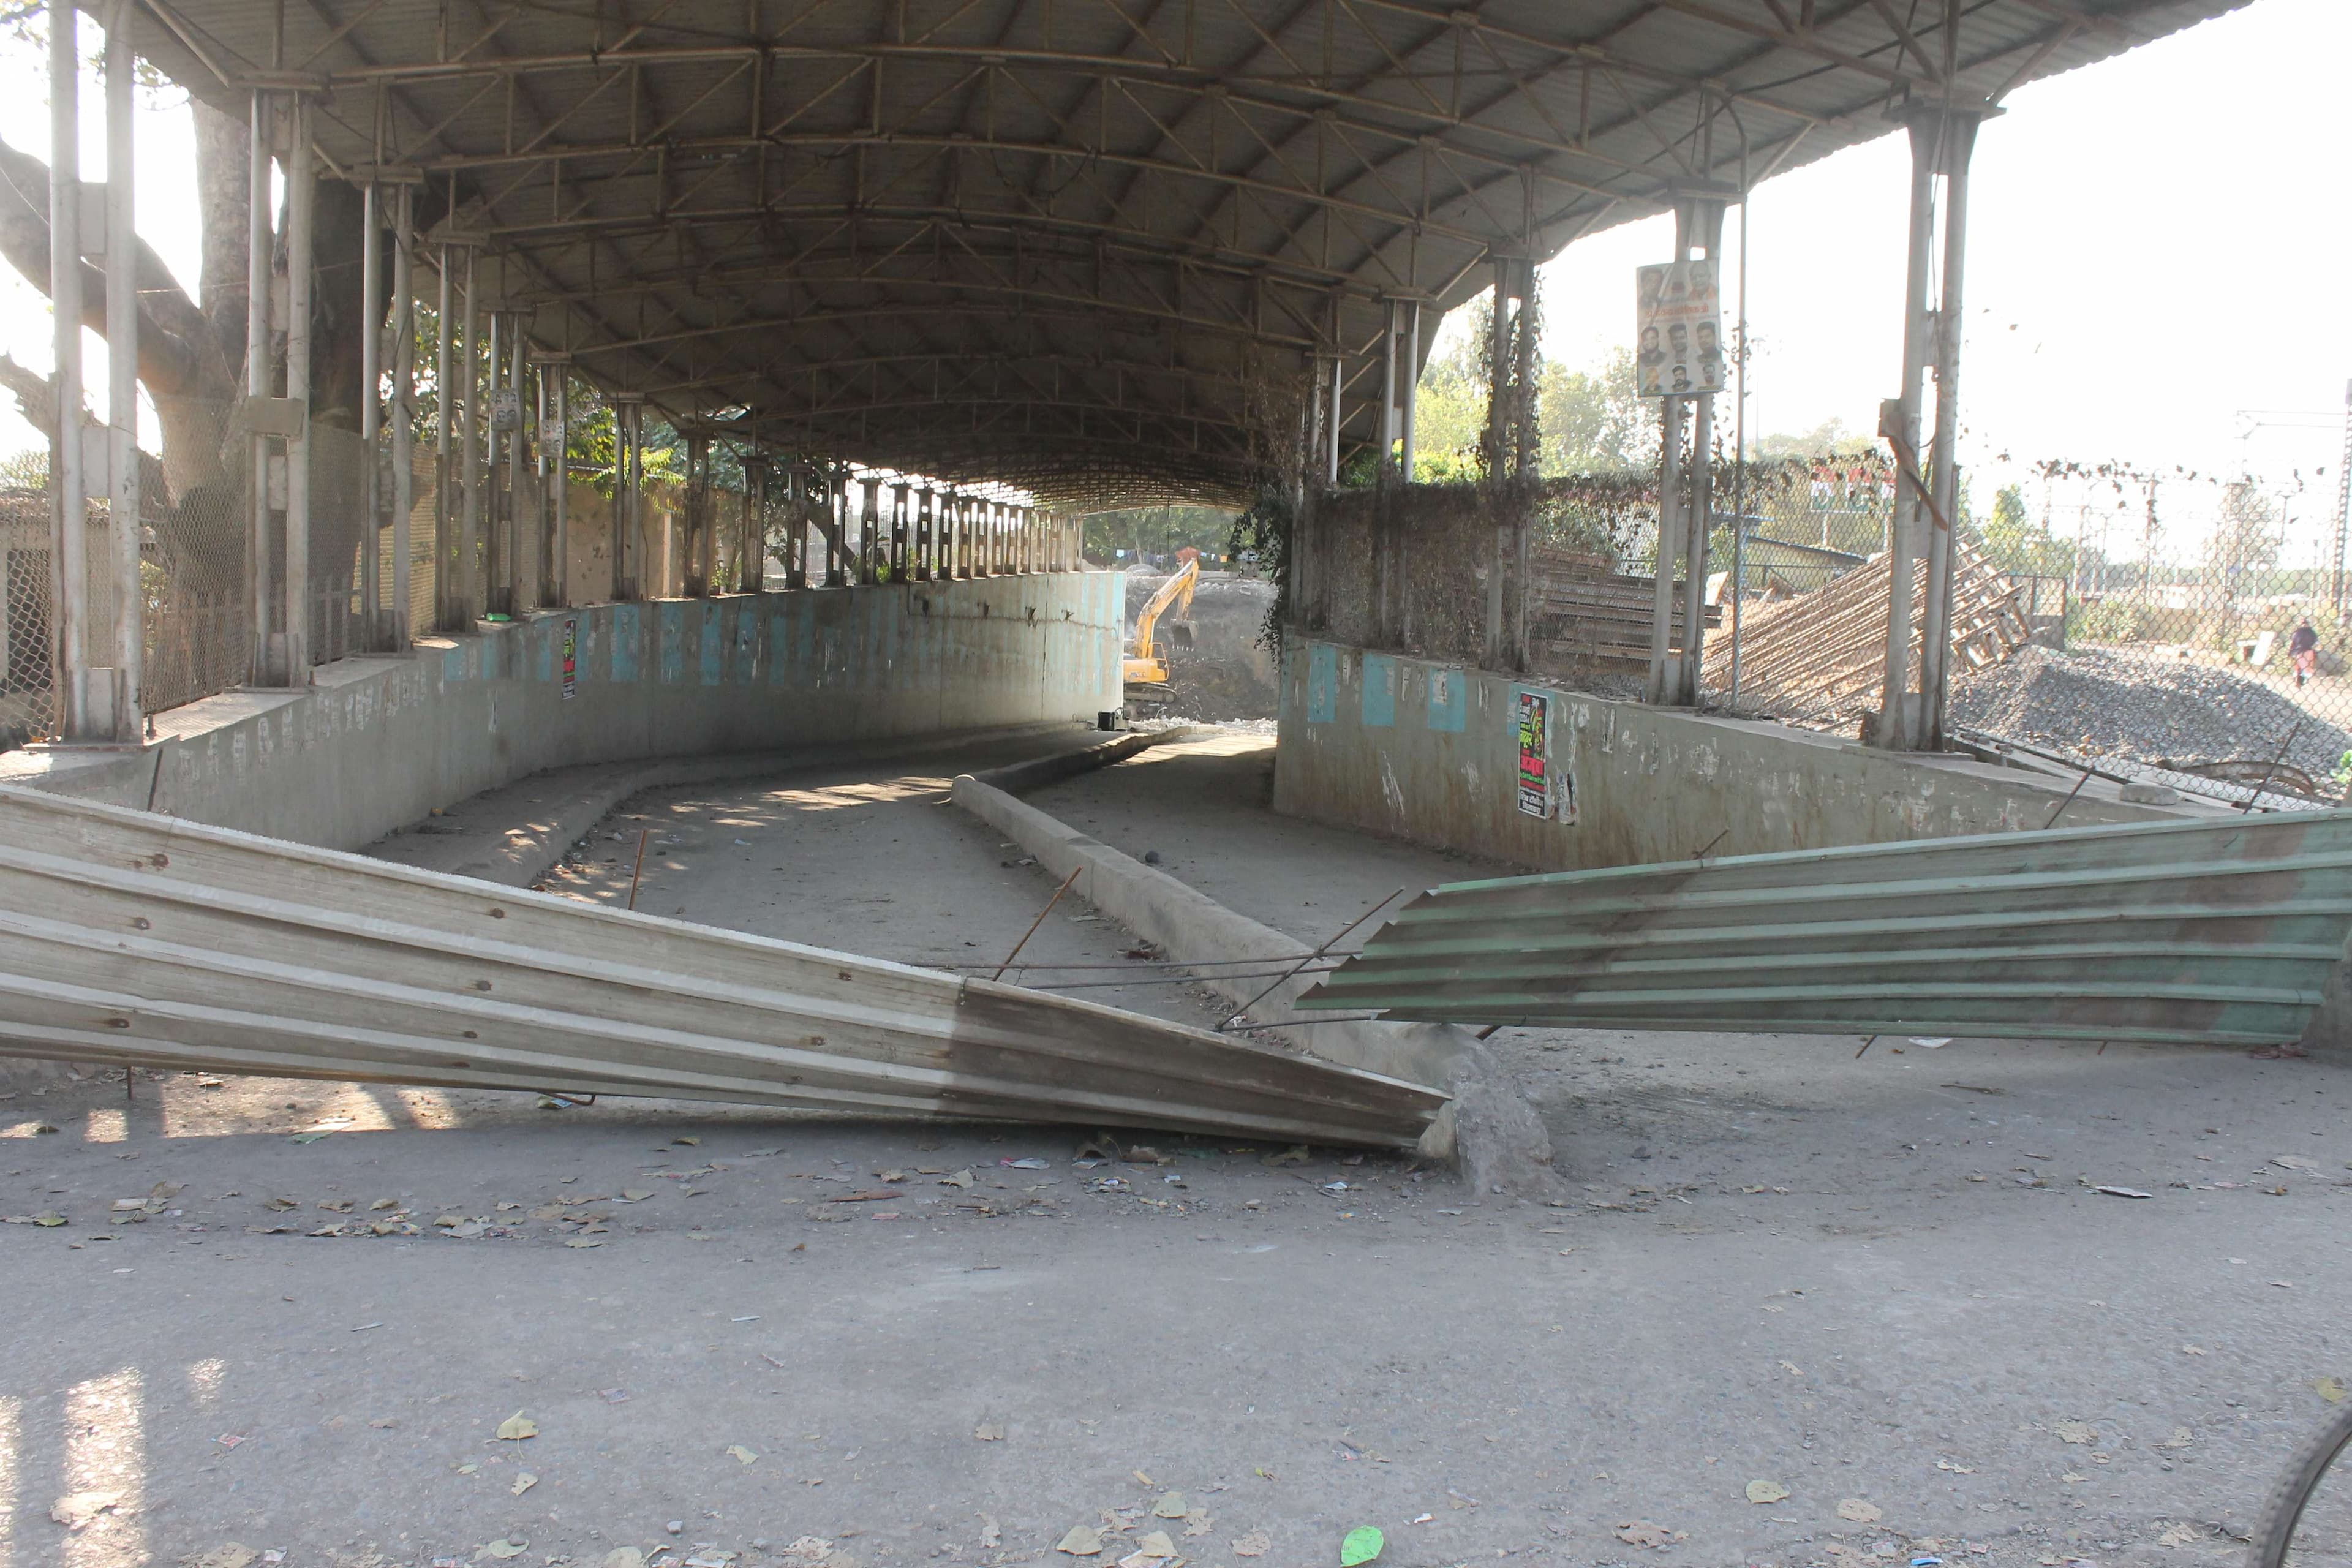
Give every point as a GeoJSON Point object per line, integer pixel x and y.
{"type": "Point", "coordinates": [1882, 1284]}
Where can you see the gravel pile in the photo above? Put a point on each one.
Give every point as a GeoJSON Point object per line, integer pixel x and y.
{"type": "Point", "coordinates": [2106, 704]}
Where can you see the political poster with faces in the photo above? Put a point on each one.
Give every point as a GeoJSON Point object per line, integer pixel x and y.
{"type": "Point", "coordinates": [1678, 340]}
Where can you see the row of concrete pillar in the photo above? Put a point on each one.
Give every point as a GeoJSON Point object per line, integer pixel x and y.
{"type": "Point", "coordinates": [502, 517]}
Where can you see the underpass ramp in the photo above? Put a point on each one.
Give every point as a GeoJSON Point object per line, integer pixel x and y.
{"type": "Point", "coordinates": [130, 939]}
{"type": "Point", "coordinates": [2214, 932]}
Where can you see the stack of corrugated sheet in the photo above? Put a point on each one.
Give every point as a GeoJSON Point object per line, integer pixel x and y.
{"type": "Point", "coordinates": [1825, 653]}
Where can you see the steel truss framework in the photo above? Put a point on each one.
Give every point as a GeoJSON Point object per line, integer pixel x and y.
{"type": "Point", "coordinates": [1098, 248]}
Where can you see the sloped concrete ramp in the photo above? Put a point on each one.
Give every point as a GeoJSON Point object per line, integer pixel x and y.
{"type": "Point", "coordinates": [130, 939]}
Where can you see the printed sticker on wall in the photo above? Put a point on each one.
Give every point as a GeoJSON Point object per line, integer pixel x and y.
{"type": "Point", "coordinates": [1322, 683]}
{"type": "Point", "coordinates": [1448, 706]}
{"type": "Point", "coordinates": [1534, 714]}
{"type": "Point", "coordinates": [570, 656]}
{"type": "Point", "coordinates": [1379, 692]}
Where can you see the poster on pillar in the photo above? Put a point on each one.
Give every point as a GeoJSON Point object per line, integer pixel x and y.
{"type": "Point", "coordinates": [1678, 335]}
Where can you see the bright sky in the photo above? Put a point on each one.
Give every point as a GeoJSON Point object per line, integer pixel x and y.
{"type": "Point", "coordinates": [2121, 215]}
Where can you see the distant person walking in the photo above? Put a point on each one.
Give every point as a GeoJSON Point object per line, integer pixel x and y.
{"type": "Point", "coordinates": [2304, 648]}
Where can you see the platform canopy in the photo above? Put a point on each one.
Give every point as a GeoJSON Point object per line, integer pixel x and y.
{"type": "Point", "coordinates": [1093, 247]}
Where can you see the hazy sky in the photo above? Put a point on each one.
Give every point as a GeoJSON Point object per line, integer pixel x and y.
{"type": "Point", "coordinates": [2126, 222]}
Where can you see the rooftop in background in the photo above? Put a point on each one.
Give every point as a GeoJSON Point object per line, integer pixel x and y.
{"type": "Point", "coordinates": [1086, 249]}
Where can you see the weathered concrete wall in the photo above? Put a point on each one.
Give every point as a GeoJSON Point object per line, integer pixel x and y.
{"type": "Point", "coordinates": [379, 742]}
{"type": "Point", "coordinates": [1429, 752]}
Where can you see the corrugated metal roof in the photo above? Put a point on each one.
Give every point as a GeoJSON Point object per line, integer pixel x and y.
{"type": "Point", "coordinates": [2194, 933]}
{"type": "Point", "coordinates": [1088, 244]}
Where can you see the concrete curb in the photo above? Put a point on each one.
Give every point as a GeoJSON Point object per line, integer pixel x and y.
{"type": "Point", "coordinates": [1489, 1127]}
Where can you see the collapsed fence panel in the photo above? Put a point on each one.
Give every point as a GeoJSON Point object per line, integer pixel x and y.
{"type": "Point", "coordinates": [135, 939]}
{"type": "Point", "coordinates": [2190, 933]}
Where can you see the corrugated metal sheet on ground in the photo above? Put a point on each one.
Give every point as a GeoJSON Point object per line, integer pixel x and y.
{"type": "Point", "coordinates": [2218, 932]}
{"type": "Point", "coordinates": [131, 939]}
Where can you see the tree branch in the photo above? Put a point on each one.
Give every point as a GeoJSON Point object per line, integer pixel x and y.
{"type": "Point", "coordinates": [177, 353]}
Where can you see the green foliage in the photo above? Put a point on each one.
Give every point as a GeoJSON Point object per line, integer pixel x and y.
{"type": "Point", "coordinates": [1265, 527]}
{"type": "Point", "coordinates": [1595, 423]}
{"type": "Point", "coordinates": [2013, 541]}
{"type": "Point", "coordinates": [1158, 531]}
{"type": "Point", "coordinates": [26, 471]}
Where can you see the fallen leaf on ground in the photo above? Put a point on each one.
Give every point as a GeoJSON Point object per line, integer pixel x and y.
{"type": "Point", "coordinates": [518, 1427]}
{"type": "Point", "coordinates": [1196, 1522]}
{"type": "Point", "coordinates": [2179, 1438]}
{"type": "Point", "coordinates": [623, 1557]}
{"type": "Point", "coordinates": [78, 1509]}
{"type": "Point", "coordinates": [1360, 1544]}
{"type": "Point", "coordinates": [1766, 1491]}
{"type": "Point", "coordinates": [49, 1221]}
{"type": "Point", "coordinates": [990, 1532]}
{"type": "Point", "coordinates": [523, 1483]}
{"type": "Point", "coordinates": [1642, 1532]}
{"type": "Point", "coordinates": [2179, 1535]}
{"type": "Point", "coordinates": [503, 1549]}
{"type": "Point", "coordinates": [1256, 1544]}
{"type": "Point", "coordinates": [2123, 1192]}
{"type": "Point", "coordinates": [583, 1241]}
{"type": "Point", "coordinates": [1153, 1547]}
{"type": "Point", "coordinates": [1172, 1505]}
{"type": "Point", "coordinates": [2296, 1163]}
{"type": "Point", "coordinates": [2075, 1432]}
{"type": "Point", "coordinates": [634, 1194]}
{"type": "Point", "coordinates": [1083, 1540]}
{"type": "Point", "coordinates": [739, 1454]}
{"type": "Point", "coordinates": [990, 1431]}
{"type": "Point", "coordinates": [1859, 1512]}
{"type": "Point", "coordinates": [1956, 1470]}
{"type": "Point", "coordinates": [2331, 1389]}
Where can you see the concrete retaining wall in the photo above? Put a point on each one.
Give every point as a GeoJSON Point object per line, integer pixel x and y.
{"type": "Point", "coordinates": [1429, 752]}
{"type": "Point", "coordinates": [378, 743]}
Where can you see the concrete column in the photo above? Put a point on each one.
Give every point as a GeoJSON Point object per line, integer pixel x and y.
{"type": "Point", "coordinates": [554, 457]}
{"type": "Point", "coordinates": [301, 186]}
{"type": "Point", "coordinates": [925, 499]}
{"type": "Point", "coordinates": [404, 405]}
{"type": "Point", "coordinates": [258, 380]}
{"type": "Point", "coordinates": [372, 485]}
{"type": "Point", "coordinates": [1706, 219]}
{"type": "Point", "coordinates": [127, 526]}
{"type": "Point", "coordinates": [467, 597]}
{"type": "Point", "coordinates": [1935, 665]}
{"type": "Point", "coordinates": [629, 498]}
{"type": "Point", "coordinates": [526, 539]}
{"type": "Point", "coordinates": [1389, 430]}
{"type": "Point", "coordinates": [869, 505]}
{"type": "Point", "coordinates": [695, 560]}
{"type": "Point", "coordinates": [1894, 730]}
{"type": "Point", "coordinates": [445, 511]}
{"type": "Point", "coordinates": [69, 516]}
{"type": "Point", "coordinates": [1409, 388]}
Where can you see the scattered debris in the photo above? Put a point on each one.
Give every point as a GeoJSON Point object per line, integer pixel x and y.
{"type": "Point", "coordinates": [1083, 1540]}
{"type": "Point", "coordinates": [990, 1431]}
{"type": "Point", "coordinates": [1642, 1532]}
{"type": "Point", "coordinates": [1256, 1544]}
{"type": "Point", "coordinates": [1859, 1512]}
{"type": "Point", "coordinates": [1766, 1491]}
{"type": "Point", "coordinates": [518, 1427]}
{"type": "Point", "coordinates": [741, 1454]}
{"type": "Point", "coordinates": [75, 1509]}
{"type": "Point", "coordinates": [2123, 1192]}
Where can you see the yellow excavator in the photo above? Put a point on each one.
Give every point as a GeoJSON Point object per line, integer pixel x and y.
{"type": "Point", "coordinates": [1147, 661]}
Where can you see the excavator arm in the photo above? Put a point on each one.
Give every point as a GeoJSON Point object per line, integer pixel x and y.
{"type": "Point", "coordinates": [1147, 661]}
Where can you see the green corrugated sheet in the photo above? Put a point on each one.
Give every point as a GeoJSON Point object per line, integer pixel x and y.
{"type": "Point", "coordinates": [2220, 932]}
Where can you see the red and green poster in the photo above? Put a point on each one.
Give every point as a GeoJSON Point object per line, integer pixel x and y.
{"type": "Point", "coordinates": [1535, 752]}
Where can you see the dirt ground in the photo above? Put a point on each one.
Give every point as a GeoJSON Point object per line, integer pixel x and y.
{"type": "Point", "coordinates": [1883, 1284]}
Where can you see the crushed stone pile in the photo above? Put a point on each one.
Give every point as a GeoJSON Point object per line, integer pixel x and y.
{"type": "Point", "coordinates": [2106, 704]}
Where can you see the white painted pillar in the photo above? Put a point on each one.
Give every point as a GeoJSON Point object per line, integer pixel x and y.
{"type": "Point", "coordinates": [372, 485]}
{"type": "Point", "coordinates": [69, 521]}
{"type": "Point", "coordinates": [123, 378]}
{"type": "Point", "coordinates": [301, 186]}
{"type": "Point", "coordinates": [1409, 386]}
{"type": "Point", "coordinates": [403, 410]}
